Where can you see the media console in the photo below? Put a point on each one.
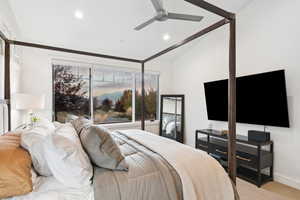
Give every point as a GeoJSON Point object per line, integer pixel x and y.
{"type": "Point", "coordinates": [254, 159]}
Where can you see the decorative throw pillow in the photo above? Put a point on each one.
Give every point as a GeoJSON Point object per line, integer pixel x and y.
{"type": "Point", "coordinates": [15, 175]}
{"type": "Point", "coordinates": [66, 158]}
{"type": "Point", "coordinates": [33, 141]}
{"type": "Point", "coordinates": [80, 123]}
{"type": "Point", "coordinates": [10, 140]}
{"type": "Point", "coordinates": [102, 149]}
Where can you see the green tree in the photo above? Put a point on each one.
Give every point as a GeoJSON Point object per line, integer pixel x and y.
{"type": "Point", "coordinates": [126, 99]}
{"type": "Point", "coordinates": [119, 107]}
{"type": "Point", "coordinates": [106, 105]}
{"type": "Point", "coordinates": [151, 106]}
{"type": "Point", "coordinates": [69, 94]}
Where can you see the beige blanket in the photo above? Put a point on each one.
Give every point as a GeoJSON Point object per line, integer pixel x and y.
{"type": "Point", "coordinates": [202, 177]}
{"type": "Point", "coordinates": [150, 176]}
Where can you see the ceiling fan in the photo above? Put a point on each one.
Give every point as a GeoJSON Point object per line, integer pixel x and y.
{"type": "Point", "coordinates": [163, 15]}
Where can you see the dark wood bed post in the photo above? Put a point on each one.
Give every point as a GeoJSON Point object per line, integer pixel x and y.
{"type": "Point", "coordinates": [7, 94]}
{"type": "Point", "coordinates": [143, 98]}
{"type": "Point", "coordinates": [232, 82]}
{"type": "Point", "coordinates": [232, 103]}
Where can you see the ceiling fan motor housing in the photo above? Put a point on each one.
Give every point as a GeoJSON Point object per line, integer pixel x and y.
{"type": "Point", "coordinates": [162, 15]}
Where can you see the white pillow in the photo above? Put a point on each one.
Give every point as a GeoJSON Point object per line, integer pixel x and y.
{"type": "Point", "coordinates": [45, 123]}
{"type": "Point", "coordinates": [66, 158]}
{"type": "Point", "coordinates": [57, 124]}
{"type": "Point", "coordinates": [33, 141]}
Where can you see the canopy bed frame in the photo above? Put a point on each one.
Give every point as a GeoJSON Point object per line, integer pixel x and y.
{"type": "Point", "coordinates": [229, 18]}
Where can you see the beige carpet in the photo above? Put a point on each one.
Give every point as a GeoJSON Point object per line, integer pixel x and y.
{"type": "Point", "coordinates": [248, 191]}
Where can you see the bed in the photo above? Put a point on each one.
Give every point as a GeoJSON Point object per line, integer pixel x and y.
{"type": "Point", "coordinates": [227, 18]}
{"type": "Point", "coordinates": [159, 168]}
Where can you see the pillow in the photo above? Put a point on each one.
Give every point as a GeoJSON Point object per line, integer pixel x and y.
{"type": "Point", "coordinates": [45, 123]}
{"type": "Point", "coordinates": [57, 124]}
{"type": "Point", "coordinates": [33, 141]}
{"type": "Point", "coordinates": [102, 149]}
{"type": "Point", "coordinates": [10, 140]}
{"type": "Point", "coordinates": [66, 159]}
{"type": "Point", "coordinates": [15, 175]}
{"type": "Point", "coordinates": [71, 117]}
{"type": "Point", "coordinates": [80, 123]}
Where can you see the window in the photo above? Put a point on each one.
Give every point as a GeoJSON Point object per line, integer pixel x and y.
{"type": "Point", "coordinates": [71, 92]}
{"type": "Point", "coordinates": [112, 96]}
{"type": "Point", "coordinates": [104, 94]}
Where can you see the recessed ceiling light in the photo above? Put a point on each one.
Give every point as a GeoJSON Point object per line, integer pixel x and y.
{"type": "Point", "coordinates": [78, 14]}
{"type": "Point", "coordinates": [166, 37]}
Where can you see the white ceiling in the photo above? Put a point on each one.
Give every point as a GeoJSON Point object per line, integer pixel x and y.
{"type": "Point", "coordinates": [107, 26]}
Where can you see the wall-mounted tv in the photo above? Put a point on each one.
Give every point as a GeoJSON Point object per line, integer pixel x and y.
{"type": "Point", "coordinates": [261, 99]}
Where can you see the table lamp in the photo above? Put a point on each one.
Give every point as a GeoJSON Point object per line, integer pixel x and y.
{"type": "Point", "coordinates": [30, 103]}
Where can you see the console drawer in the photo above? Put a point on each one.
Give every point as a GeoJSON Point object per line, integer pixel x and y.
{"type": "Point", "coordinates": [246, 159]}
{"type": "Point", "coordinates": [241, 157]}
{"type": "Point", "coordinates": [219, 150]}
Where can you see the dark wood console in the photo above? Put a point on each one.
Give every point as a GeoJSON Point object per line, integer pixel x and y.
{"type": "Point", "coordinates": [254, 159]}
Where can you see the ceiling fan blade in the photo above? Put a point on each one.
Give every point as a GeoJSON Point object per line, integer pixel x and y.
{"type": "Point", "coordinates": [143, 25]}
{"type": "Point", "coordinates": [158, 5]}
{"type": "Point", "coordinates": [185, 17]}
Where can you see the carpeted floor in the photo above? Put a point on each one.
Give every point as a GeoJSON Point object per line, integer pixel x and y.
{"type": "Point", "coordinates": [248, 191]}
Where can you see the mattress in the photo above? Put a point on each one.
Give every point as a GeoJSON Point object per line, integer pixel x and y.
{"type": "Point", "coordinates": [48, 188]}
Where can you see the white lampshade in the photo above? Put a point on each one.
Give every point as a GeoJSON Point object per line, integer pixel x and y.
{"type": "Point", "coordinates": [29, 102]}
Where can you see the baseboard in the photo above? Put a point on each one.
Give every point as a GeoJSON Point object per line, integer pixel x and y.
{"type": "Point", "coordinates": [287, 181]}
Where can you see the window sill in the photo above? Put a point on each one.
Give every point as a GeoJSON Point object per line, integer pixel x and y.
{"type": "Point", "coordinates": [130, 124]}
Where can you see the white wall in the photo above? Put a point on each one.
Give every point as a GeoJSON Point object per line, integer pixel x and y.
{"type": "Point", "coordinates": [9, 27]}
{"type": "Point", "coordinates": [36, 72]}
{"type": "Point", "coordinates": [267, 39]}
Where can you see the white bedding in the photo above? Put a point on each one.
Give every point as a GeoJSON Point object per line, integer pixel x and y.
{"type": "Point", "coordinates": [48, 188]}
{"type": "Point", "coordinates": [201, 175]}
{"type": "Point", "coordinates": [70, 171]}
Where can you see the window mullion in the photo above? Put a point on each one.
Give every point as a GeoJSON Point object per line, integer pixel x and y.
{"type": "Point", "coordinates": [91, 93]}
{"type": "Point", "coordinates": [133, 96]}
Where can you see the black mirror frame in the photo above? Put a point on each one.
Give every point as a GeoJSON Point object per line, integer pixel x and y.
{"type": "Point", "coordinates": [179, 138]}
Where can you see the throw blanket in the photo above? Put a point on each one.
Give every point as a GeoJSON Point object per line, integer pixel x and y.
{"type": "Point", "coordinates": [202, 176]}
{"type": "Point", "coordinates": [150, 176]}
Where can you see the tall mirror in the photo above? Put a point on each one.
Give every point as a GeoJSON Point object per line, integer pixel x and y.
{"type": "Point", "coordinates": [172, 117]}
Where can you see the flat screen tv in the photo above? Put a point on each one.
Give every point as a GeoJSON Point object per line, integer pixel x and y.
{"type": "Point", "coordinates": [261, 99]}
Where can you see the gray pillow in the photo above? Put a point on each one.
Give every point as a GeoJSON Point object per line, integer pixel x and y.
{"type": "Point", "coordinates": [100, 146]}
{"type": "Point", "coordinates": [80, 123]}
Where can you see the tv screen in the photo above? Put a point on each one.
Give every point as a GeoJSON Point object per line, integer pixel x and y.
{"type": "Point", "coordinates": [261, 99]}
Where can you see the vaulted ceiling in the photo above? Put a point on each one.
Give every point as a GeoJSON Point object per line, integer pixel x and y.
{"type": "Point", "coordinates": [108, 26]}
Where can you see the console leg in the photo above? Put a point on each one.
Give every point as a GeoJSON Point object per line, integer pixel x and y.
{"type": "Point", "coordinates": [259, 166]}
{"type": "Point", "coordinates": [272, 167]}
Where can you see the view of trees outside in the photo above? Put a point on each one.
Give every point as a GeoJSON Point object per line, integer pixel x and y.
{"type": "Point", "coordinates": [151, 96]}
{"type": "Point", "coordinates": [112, 94]}
{"type": "Point", "coordinates": [71, 92]}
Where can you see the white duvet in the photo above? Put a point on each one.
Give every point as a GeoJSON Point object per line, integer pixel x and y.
{"type": "Point", "coordinates": [202, 176]}
{"type": "Point", "coordinates": [48, 188]}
